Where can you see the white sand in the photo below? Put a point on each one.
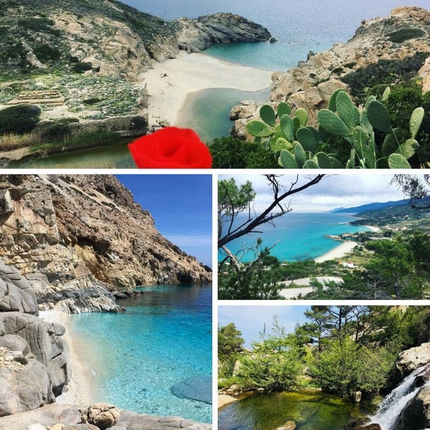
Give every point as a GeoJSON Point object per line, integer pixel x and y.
{"type": "Point", "coordinates": [341, 250]}
{"type": "Point", "coordinates": [79, 389]}
{"type": "Point", "coordinates": [195, 72]}
{"type": "Point", "coordinates": [373, 228]}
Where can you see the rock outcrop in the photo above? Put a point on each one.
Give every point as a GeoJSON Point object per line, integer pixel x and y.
{"type": "Point", "coordinates": [416, 414]}
{"type": "Point", "coordinates": [70, 417]}
{"type": "Point", "coordinates": [404, 33]}
{"type": "Point", "coordinates": [34, 362]}
{"type": "Point", "coordinates": [197, 34]}
{"type": "Point", "coordinates": [16, 293]}
{"type": "Point", "coordinates": [78, 238]}
{"type": "Point", "coordinates": [411, 359]}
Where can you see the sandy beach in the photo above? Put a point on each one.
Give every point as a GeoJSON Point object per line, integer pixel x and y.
{"type": "Point", "coordinates": [341, 250]}
{"type": "Point", "coordinates": [79, 389]}
{"type": "Point", "coordinates": [169, 83]}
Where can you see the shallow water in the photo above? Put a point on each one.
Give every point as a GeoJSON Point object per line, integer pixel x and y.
{"type": "Point", "coordinates": [163, 338]}
{"type": "Point", "coordinates": [308, 410]}
{"type": "Point", "coordinates": [207, 112]}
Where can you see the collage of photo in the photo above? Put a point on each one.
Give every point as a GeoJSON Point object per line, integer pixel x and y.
{"type": "Point", "coordinates": [214, 215]}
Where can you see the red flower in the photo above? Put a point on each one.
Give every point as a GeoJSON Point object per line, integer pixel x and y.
{"type": "Point", "coordinates": [171, 147]}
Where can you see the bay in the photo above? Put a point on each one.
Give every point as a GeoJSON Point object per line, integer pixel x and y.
{"type": "Point", "coordinates": [163, 338]}
{"type": "Point", "coordinates": [298, 236]}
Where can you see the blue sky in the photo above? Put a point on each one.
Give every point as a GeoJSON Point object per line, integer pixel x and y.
{"type": "Point", "coordinates": [250, 320]}
{"type": "Point", "coordinates": [181, 206]}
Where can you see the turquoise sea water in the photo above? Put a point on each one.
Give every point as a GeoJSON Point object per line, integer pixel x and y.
{"type": "Point", "coordinates": [163, 338]}
{"type": "Point", "coordinates": [299, 236]}
{"type": "Point", "coordinates": [299, 26]}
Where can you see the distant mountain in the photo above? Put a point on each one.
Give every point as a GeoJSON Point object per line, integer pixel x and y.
{"type": "Point", "coordinates": [370, 206]}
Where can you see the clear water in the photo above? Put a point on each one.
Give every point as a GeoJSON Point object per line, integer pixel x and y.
{"type": "Point", "coordinates": [164, 337]}
{"type": "Point", "coordinates": [308, 410]}
{"type": "Point", "coordinates": [207, 112]}
{"type": "Point", "coordinates": [300, 236]}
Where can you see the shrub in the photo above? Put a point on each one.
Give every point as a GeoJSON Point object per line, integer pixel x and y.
{"type": "Point", "coordinates": [383, 72]}
{"type": "Point", "coordinates": [46, 53]}
{"type": "Point", "coordinates": [19, 119]}
{"type": "Point", "coordinates": [233, 153]}
{"type": "Point", "coordinates": [400, 36]}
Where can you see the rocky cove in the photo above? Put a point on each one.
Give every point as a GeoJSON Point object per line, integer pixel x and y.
{"type": "Point", "coordinates": [43, 382]}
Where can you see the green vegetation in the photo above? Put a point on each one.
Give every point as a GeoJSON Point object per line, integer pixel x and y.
{"type": "Point", "coordinates": [373, 139]}
{"type": "Point", "coordinates": [384, 72]}
{"type": "Point", "coordinates": [19, 119]}
{"type": "Point", "coordinates": [344, 349]}
{"type": "Point", "coordinates": [404, 34]}
{"type": "Point", "coordinates": [230, 152]}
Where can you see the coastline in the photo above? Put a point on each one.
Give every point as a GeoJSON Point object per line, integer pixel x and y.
{"type": "Point", "coordinates": [79, 389]}
{"type": "Point", "coordinates": [169, 83]}
{"type": "Point", "coordinates": [338, 252]}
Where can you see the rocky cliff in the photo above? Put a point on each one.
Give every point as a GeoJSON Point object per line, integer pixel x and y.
{"type": "Point", "coordinates": [78, 238]}
{"type": "Point", "coordinates": [34, 359]}
{"type": "Point", "coordinates": [403, 35]}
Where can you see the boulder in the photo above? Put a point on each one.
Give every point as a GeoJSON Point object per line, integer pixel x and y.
{"type": "Point", "coordinates": [412, 359]}
{"type": "Point", "coordinates": [102, 415]}
{"type": "Point", "coordinates": [416, 414]}
{"type": "Point", "coordinates": [44, 367]}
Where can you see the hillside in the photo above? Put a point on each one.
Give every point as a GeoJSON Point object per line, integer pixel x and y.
{"type": "Point", "coordinates": [384, 50]}
{"type": "Point", "coordinates": [77, 238]}
{"type": "Point", "coordinates": [370, 206]}
{"type": "Point", "coordinates": [400, 215]}
{"type": "Point", "coordinates": [78, 67]}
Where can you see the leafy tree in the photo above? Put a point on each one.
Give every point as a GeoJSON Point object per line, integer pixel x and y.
{"type": "Point", "coordinates": [393, 264]}
{"type": "Point", "coordinates": [230, 345]}
{"type": "Point", "coordinates": [274, 363]}
{"type": "Point", "coordinates": [346, 367]}
{"type": "Point", "coordinates": [415, 188]}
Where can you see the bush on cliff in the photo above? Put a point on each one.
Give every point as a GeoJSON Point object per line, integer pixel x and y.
{"type": "Point", "coordinates": [19, 119]}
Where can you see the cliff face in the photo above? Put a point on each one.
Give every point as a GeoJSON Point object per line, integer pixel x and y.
{"type": "Point", "coordinates": [74, 237]}
{"type": "Point", "coordinates": [401, 35]}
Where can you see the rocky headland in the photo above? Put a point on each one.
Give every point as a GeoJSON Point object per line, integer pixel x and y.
{"type": "Point", "coordinates": [79, 240]}
{"type": "Point", "coordinates": [82, 66]}
{"type": "Point", "coordinates": [402, 36]}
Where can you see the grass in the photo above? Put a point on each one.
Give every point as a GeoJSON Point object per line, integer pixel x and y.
{"type": "Point", "coordinates": [11, 141]}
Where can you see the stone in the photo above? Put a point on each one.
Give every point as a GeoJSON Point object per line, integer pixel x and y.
{"type": "Point", "coordinates": [416, 414]}
{"type": "Point", "coordinates": [102, 415]}
{"type": "Point", "coordinates": [58, 426]}
{"type": "Point", "coordinates": [36, 427]}
{"type": "Point", "coordinates": [411, 359]}
{"type": "Point", "coordinates": [196, 388]}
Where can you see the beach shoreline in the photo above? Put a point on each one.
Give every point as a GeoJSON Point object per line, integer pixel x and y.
{"type": "Point", "coordinates": [339, 252]}
{"type": "Point", "coordinates": [168, 83]}
{"type": "Point", "coordinates": [80, 388]}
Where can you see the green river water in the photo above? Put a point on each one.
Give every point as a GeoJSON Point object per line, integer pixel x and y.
{"type": "Point", "coordinates": [309, 411]}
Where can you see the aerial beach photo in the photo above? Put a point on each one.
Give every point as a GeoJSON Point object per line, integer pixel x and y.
{"type": "Point", "coordinates": [323, 236]}
{"type": "Point", "coordinates": [80, 81]}
{"type": "Point", "coordinates": [105, 313]}
{"type": "Point", "coordinates": [325, 367]}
